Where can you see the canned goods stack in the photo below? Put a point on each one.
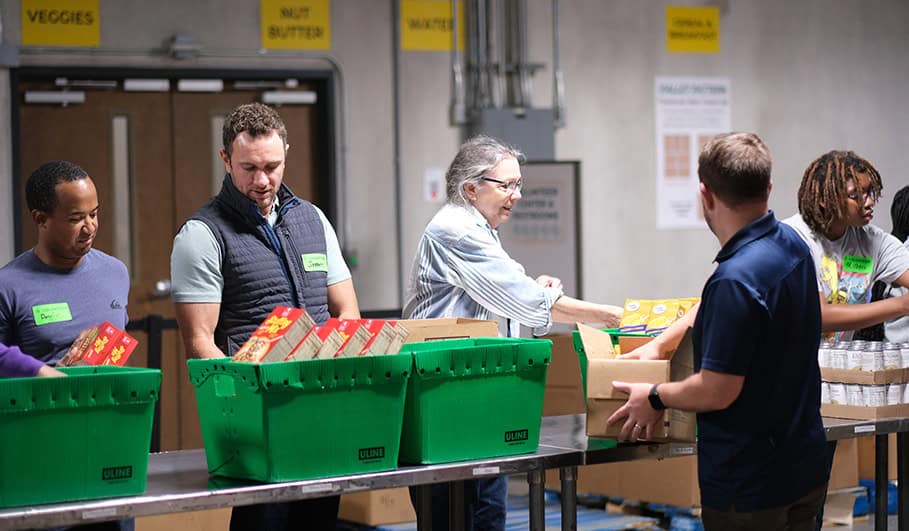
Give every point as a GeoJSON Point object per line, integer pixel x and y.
{"type": "Point", "coordinates": [862, 375]}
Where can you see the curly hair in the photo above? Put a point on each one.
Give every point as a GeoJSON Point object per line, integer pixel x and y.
{"type": "Point", "coordinates": [41, 187]}
{"type": "Point", "coordinates": [252, 118]}
{"type": "Point", "coordinates": [823, 199]}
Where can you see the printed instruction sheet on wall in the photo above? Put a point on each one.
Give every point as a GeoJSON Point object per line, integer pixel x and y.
{"type": "Point", "coordinates": [689, 111]}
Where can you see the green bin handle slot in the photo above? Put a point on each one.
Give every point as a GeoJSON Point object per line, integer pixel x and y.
{"type": "Point", "coordinates": [83, 387]}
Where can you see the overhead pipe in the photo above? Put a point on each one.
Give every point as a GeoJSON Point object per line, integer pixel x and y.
{"type": "Point", "coordinates": [482, 67]}
{"type": "Point", "coordinates": [457, 110]}
{"type": "Point", "coordinates": [522, 66]}
{"type": "Point", "coordinates": [490, 68]}
{"type": "Point", "coordinates": [558, 82]}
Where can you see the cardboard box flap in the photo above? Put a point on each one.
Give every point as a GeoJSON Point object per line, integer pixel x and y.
{"type": "Point", "coordinates": [448, 328]}
{"type": "Point", "coordinates": [441, 321]}
{"type": "Point", "coordinates": [682, 361]}
{"type": "Point", "coordinates": [597, 344]}
{"type": "Point", "coordinates": [602, 372]}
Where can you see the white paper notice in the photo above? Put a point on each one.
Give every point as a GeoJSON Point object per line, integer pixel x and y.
{"type": "Point", "coordinates": [434, 185]}
{"type": "Point", "coordinates": [689, 111]}
{"type": "Point", "coordinates": [538, 216]}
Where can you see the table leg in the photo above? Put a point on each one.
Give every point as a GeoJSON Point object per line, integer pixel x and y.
{"type": "Point", "coordinates": [424, 507]}
{"type": "Point", "coordinates": [902, 479]}
{"type": "Point", "coordinates": [880, 482]}
{"type": "Point", "coordinates": [569, 477]}
{"type": "Point", "coordinates": [537, 482]}
{"type": "Point", "coordinates": [456, 506]}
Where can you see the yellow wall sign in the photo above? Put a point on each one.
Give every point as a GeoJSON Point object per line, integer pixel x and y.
{"type": "Point", "coordinates": [426, 25]}
{"type": "Point", "coordinates": [296, 24]}
{"type": "Point", "coordinates": [61, 23]}
{"type": "Point", "coordinates": [692, 29]}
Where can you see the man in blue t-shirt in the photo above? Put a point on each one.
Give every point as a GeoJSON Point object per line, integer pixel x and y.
{"type": "Point", "coordinates": [61, 286]}
{"type": "Point", "coordinates": [756, 389]}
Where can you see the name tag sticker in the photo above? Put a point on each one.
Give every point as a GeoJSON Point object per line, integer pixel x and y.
{"type": "Point", "coordinates": [858, 264]}
{"type": "Point", "coordinates": [315, 262]}
{"type": "Point", "coordinates": [55, 312]}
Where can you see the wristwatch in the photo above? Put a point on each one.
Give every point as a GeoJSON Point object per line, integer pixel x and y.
{"type": "Point", "coordinates": [654, 398]}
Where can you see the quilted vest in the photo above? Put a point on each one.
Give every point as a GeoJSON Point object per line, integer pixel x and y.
{"type": "Point", "coordinates": [263, 266]}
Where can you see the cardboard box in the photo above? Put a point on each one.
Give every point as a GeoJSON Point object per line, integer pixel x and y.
{"type": "Point", "coordinates": [564, 393]}
{"type": "Point", "coordinates": [866, 455]}
{"type": "Point", "coordinates": [603, 368]}
{"type": "Point", "coordinates": [864, 377]}
{"type": "Point", "coordinates": [843, 411]}
{"type": "Point", "coordinates": [672, 481]}
{"type": "Point", "coordinates": [448, 328]}
{"type": "Point", "coordinates": [377, 507]}
{"type": "Point", "coordinates": [845, 470]}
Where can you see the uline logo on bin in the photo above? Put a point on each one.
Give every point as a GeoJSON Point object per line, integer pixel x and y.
{"type": "Point", "coordinates": [115, 473]}
{"type": "Point", "coordinates": [370, 454]}
{"type": "Point", "coordinates": [516, 436]}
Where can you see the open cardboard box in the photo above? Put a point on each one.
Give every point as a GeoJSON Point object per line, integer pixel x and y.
{"type": "Point", "coordinates": [603, 368]}
{"type": "Point", "coordinates": [448, 328]}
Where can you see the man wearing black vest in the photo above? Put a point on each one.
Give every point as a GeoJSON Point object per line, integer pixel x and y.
{"type": "Point", "coordinates": [250, 248]}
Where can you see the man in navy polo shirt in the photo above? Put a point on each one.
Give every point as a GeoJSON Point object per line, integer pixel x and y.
{"type": "Point", "coordinates": [756, 389]}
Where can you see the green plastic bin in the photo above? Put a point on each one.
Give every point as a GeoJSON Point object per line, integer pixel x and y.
{"type": "Point", "coordinates": [300, 420]}
{"type": "Point", "coordinates": [474, 398]}
{"type": "Point", "coordinates": [76, 438]}
{"type": "Point", "coordinates": [614, 334]}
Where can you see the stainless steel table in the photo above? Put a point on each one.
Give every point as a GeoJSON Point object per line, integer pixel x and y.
{"type": "Point", "coordinates": [179, 481]}
{"type": "Point", "coordinates": [847, 429]}
{"type": "Point", "coordinates": [569, 432]}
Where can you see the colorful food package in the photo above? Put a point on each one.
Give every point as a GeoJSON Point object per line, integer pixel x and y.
{"type": "Point", "coordinates": [401, 333]}
{"type": "Point", "coordinates": [353, 334]}
{"type": "Point", "coordinates": [635, 315]}
{"type": "Point", "coordinates": [381, 335]}
{"type": "Point", "coordinates": [662, 314]}
{"type": "Point", "coordinates": [276, 337]}
{"type": "Point", "coordinates": [102, 344]}
{"type": "Point", "coordinates": [653, 316]}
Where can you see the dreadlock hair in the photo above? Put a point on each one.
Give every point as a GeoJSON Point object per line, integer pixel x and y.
{"type": "Point", "coordinates": [822, 194]}
{"type": "Point", "coordinates": [899, 214]}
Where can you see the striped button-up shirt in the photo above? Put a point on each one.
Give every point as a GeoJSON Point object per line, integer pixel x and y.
{"type": "Point", "coordinates": [461, 270]}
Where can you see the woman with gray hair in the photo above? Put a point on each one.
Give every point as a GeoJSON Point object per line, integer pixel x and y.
{"type": "Point", "coordinates": [461, 270]}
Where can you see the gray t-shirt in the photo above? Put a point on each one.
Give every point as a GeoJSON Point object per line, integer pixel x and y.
{"type": "Point", "coordinates": [43, 309]}
{"type": "Point", "coordinates": [897, 330]}
{"type": "Point", "coordinates": [195, 262]}
{"type": "Point", "coordinates": [848, 267]}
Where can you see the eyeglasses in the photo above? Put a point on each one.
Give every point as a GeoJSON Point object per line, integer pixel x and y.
{"type": "Point", "coordinates": [509, 187]}
{"type": "Point", "coordinates": [862, 197]}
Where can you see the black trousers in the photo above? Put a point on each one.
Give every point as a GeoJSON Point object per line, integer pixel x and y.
{"type": "Point", "coordinates": [800, 515]}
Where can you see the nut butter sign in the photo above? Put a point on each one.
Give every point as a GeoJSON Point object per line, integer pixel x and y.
{"type": "Point", "coordinates": [295, 24]}
{"type": "Point", "coordinates": [61, 23]}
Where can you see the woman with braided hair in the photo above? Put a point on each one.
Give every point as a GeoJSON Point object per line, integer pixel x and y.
{"type": "Point", "coordinates": [836, 206]}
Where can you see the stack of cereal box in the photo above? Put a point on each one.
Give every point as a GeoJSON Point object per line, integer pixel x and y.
{"type": "Point", "coordinates": [290, 334]}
